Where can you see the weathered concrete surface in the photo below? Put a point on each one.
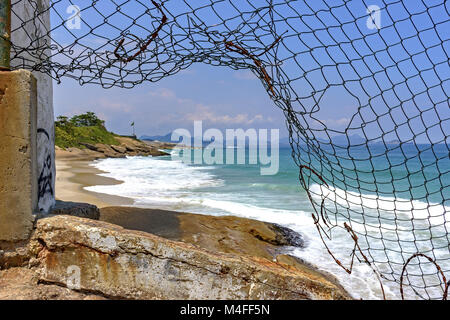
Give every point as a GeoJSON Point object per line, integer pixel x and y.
{"type": "Point", "coordinates": [18, 171]}
{"type": "Point", "coordinates": [23, 284]}
{"type": "Point", "coordinates": [137, 265]}
{"type": "Point", "coordinates": [25, 32]}
{"type": "Point", "coordinates": [16, 254]}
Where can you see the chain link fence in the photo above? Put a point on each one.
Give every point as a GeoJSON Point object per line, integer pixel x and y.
{"type": "Point", "coordinates": [379, 177]}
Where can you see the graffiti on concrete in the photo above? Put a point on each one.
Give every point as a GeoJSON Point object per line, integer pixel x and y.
{"type": "Point", "coordinates": [45, 181]}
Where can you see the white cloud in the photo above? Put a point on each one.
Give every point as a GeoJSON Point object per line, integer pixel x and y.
{"type": "Point", "coordinates": [337, 122]}
{"type": "Point", "coordinates": [163, 93]}
{"type": "Point", "coordinates": [206, 114]}
{"type": "Point", "coordinates": [198, 111]}
{"type": "Point", "coordinates": [159, 110]}
{"type": "Point", "coordinates": [245, 75]}
{"type": "Point", "coordinates": [114, 105]}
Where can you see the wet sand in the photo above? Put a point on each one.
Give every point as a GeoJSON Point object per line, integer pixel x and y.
{"type": "Point", "coordinates": [72, 176]}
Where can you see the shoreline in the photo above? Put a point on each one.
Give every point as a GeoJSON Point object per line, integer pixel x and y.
{"type": "Point", "coordinates": [72, 176]}
{"type": "Point", "coordinates": [217, 233]}
{"type": "Point", "coordinates": [226, 235]}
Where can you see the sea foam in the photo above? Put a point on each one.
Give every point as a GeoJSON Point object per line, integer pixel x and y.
{"type": "Point", "coordinates": [173, 185]}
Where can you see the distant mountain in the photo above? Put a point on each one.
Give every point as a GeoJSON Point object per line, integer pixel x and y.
{"type": "Point", "coordinates": [340, 140]}
{"type": "Point", "coordinates": [166, 138]}
{"type": "Point", "coordinates": [284, 142]}
{"type": "Point", "coordinates": [392, 142]}
{"type": "Point", "coordinates": [355, 139]}
{"type": "Point", "coordinates": [344, 140]}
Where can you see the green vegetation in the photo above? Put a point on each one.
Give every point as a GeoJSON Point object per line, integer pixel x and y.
{"type": "Point", "coordinates": [81, 129]}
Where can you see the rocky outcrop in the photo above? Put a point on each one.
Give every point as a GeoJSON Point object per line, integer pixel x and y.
{"type": "Point", "coordinates": [82, 210]}
{"type": "Point", "coordinates": [134, 147]}
{"type": "Point", "coordinates": [24, 284]}
{"type": "Point", "coordinates": [163, 145]}
{"type": "Point", "coordinates": [174, 256]}
{"type": "Point", "coordinates": [13, 254]}
{"type": "Point", "coordinates": [136, 265]}
{"type": "Point", "coordinates": [127, 147]}
{"type": "Point", "coordinates": [227, 234]}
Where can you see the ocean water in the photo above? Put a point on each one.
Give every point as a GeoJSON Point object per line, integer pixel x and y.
{"type": "Point", "coordinates": [389, 199]}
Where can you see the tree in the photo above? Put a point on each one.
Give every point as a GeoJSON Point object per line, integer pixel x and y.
{"type": "Point", "coordinates": [62, 121]}
{"type": "Point", "coordinates": [88, 119]}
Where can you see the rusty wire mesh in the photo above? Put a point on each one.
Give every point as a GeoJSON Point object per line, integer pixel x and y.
{"type": "Point", "coordinates": [383, 179]}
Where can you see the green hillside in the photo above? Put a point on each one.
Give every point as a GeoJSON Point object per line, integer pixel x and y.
{"type": "Point", "coordinates": [84, 128]}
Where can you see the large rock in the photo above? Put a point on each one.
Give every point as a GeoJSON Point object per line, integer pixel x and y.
{"type": "Point", "coordinates": [127, 147]}
{"type": "Point", "coordinates": [119, 149]}
{"type": "Point", "coordinates": [135, 265]}
{"type": "Point", "coordinates": [227, 234]}
{"type": "Point", "coordinates": [24, 284]}
{"type": "Point", "coordinates": [76, 209]}
{"type": "Point", "coordinates": [164, 145]}
{"type": "Point", "coordinates": [139, 148]}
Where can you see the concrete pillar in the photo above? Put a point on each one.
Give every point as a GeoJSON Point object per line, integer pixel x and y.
{"type": "Point", "coordinates": [18, 150]}
{"type": "Point", "coordinates": [27, 33]}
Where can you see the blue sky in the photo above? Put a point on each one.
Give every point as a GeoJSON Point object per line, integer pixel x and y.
{"type": "Point", "coordinates": [396, 79]}
{"type": "Point", "coordinates": [221, 97]}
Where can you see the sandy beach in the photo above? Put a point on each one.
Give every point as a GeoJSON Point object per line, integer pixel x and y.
{"type": "Point", "coordinates": [72, 176]}
{"type": "Point", "coordinates": [74, 170]}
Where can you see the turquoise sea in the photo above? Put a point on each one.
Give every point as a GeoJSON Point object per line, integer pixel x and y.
{"type": "Point", "coordinates": [397, 199]}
